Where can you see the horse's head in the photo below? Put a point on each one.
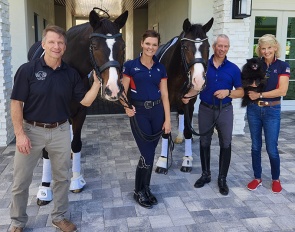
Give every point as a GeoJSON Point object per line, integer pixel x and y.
{"type": "Point", "coordinates": [195, 52]}
{"type": "Point", "coordinates": [107, 51]}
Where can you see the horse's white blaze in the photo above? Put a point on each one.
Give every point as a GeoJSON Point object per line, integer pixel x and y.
{"type": "Point", "coordinates": [198, 75]}
{"type": "Point", "coordinates": [113, 75]}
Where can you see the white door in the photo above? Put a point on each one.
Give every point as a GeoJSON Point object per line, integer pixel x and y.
{"type": "Point", "coordinates": [282, 25]}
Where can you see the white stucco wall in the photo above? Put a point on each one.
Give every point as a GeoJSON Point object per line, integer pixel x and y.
{"type": "Point", "coordinates": [168, 16]}
{"type": "Point", "coordinates": [6, 129]}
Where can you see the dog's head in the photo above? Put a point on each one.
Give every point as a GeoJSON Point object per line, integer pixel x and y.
{"type": "Point", "coordinates": [254, 63]}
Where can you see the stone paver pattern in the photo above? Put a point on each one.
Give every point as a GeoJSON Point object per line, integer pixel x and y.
{"type": "Point", "coordinates": [109, 159]}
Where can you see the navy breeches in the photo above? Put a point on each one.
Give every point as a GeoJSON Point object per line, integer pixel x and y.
{"type": "Point", "coordinates": [150, 121]}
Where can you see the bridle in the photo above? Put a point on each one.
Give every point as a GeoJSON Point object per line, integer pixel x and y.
{"type": "Point", "coordinates": [109, 64]}
{"type": "Point", "coordinates": [188, 83]}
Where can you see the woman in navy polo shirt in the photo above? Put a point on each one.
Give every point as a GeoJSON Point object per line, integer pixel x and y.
{"type": "Point", "coordinates": [147, 79]}
{"type": "Point", "coordinates": [265, 112]}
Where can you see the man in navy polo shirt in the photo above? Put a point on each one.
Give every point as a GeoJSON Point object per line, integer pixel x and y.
{"type": "Point", "coordinates": [40, 106]}
{"type": "Point", "coordinates": [222, 76]}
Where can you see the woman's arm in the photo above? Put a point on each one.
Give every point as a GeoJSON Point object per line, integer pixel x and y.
{"type": "Point", "coordinates": [166, 104]}
{"type": "Point", "coordinates": [126, 82]}
{"type": "Point", "coordinates": [281, 91]}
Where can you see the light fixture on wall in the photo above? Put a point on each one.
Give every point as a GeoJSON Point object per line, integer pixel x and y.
{"type": "Point", "coordinates": [241, 9]}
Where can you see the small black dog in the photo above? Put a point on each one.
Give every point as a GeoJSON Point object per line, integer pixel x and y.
{"type": "Point", "coordinates": [253, 78]}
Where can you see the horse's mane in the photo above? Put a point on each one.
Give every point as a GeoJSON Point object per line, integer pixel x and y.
{"type": "Point", "coordinates": [108, 26]}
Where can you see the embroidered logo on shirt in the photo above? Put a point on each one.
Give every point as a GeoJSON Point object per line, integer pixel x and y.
{"type": "Point", "coordinates": [275, 71]}
{"type": "Point", "coordinates": [136, 69]}
{"type": "Point", "coordinates": [40, 75]}
{"type": "Point", "coordinates": [158, 69]}
{"type": "Point", "coordinates": [288, 70]}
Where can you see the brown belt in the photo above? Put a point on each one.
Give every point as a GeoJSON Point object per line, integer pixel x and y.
{"type": "Point", "coordinates": [267, 103]}
{"type": "Point", "coordinates": [46, 125]}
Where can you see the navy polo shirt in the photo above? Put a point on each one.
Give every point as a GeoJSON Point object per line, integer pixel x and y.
{"type": "Point", "coordinates": [225, 76]}
{"type": "Point", "coordinates": [144, 82]}
{"type": "Point", "coordinates": [273, 73]}
{"type": "Point", "coordinates": [47, 93]}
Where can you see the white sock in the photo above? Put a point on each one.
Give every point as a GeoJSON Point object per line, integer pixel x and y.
{"type": "Point", "coordinates": [180, 123]}
{"type": "Point", "coordinates": [164, 147]}
{"type": "Point", "coordinates": [46, 173]}
{"type": "Point", "coordinates": [76, 166]}
{"type": "Point", "coordinates": [188, 147]}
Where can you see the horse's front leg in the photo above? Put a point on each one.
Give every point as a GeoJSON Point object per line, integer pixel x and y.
{"type": "Point", "coordinates": [77, 180]}
{"type": "Point", "coordinates": [187, 162]}
{"type": "Point", "coordinates": [179, 137]}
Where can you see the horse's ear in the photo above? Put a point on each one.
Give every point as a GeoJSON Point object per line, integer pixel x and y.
{"type": "Point", "coordinates": [208, 25]}
{"type": "Point", "coordinates": [186, 25]}
{"type": "Point", "coordinates": [94, 19]}
{"type": "Point", "coordinates": [121, 20]}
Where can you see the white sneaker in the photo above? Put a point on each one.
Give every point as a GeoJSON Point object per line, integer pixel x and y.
{"type": "Point", "coordinates": [44, 195]}
{"type": "Point", "coordinates": [77, 184]}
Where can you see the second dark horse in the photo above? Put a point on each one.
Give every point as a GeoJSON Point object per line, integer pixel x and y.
{"type": "Point", "coordinates": [186, 62]}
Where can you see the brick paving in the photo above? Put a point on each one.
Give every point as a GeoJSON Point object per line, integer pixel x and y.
{"type": "Point", "coordinates": [109, 159]}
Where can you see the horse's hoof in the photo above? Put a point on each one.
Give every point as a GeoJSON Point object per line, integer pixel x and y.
{"type": "Point", "coordinates": [42, 203]}
{"type": "Point", "coordinates": [77, 184]}
{"type": "Point", "coordinates": [186, 169]}
{"type": "Point", "coordinates": [161, 170]}
{"type": "Point", "coordinates": [187, 164]}
{"type": "Point", "coordinates": [77, 190]}
{"type": "Point", "coordinates": [44, 196]}
{"type": "Point", "coordinates": [161, 165]}
{"type": "Point", "coordinates": [178, 140]}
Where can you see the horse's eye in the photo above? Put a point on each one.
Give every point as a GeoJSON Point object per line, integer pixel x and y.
{"type": "Point", "coordinates": [185, 48]}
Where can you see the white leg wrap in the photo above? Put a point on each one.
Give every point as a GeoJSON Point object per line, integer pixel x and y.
{"type": "Point", "coordinates": [44, 193]}
{"type": "Point", "coordinates": [164, 147]}
{"type": "Point", "coordinates": [71, 131]}
{"type": "Point", "coordinates": [180, 123]}
{"type": "Point", "coordinates": [162, 162]}
{"type": "Point", "coordinates": [188, 147]}
{"type": "Point", "coordinates": [187, 161]}
{"type": "Point", "coordinates": [77, 183]}
{"type": "Point", "coordinates": [76, 166]}
{"type": "Point", "coordinates": [46, 171]}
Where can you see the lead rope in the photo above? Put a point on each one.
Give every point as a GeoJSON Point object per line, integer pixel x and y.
{"type": "Point", "coordinates": [146, 137]}
{"type": "Point", "coordinates": [188, 121]}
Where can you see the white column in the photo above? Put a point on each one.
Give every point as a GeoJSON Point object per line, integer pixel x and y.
{"type": "Point", "coordinates": [6, 130]}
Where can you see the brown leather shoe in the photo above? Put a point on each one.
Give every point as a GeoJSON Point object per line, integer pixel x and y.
{"type": "Point", "coordinates": [65, 225]}
{"type": "Point", "coordinates": [16, 229]}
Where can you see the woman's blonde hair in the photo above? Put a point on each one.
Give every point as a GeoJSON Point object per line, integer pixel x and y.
{"type": "Point", "coordinates": [270, 40]}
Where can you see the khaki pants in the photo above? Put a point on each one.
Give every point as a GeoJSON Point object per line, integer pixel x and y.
{"type": "Point", "coordinates": [58, 145]}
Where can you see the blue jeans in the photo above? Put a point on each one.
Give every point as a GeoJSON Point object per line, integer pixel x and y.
{"type": "Point", "coordinates": [267, 118]}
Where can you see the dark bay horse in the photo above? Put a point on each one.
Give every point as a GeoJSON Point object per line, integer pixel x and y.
{"type": "Point", "coordinates": [185, 60]}
{"type": "Point", "coordinates": [97, 45]}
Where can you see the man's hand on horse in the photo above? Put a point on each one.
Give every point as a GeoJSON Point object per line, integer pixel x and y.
{"type": "Point", "coordinates": [95, 78]}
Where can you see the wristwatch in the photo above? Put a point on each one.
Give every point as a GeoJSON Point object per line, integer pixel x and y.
{"type": "Point", "coordinates": [229, 92]}
{"type": "Point", "coordinates": [260, 96]}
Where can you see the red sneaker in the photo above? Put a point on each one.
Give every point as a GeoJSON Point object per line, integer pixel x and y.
{"type": "Point", "coordinates": [254, 184]}
{"type": "Point", "coordinates": [276, 186]}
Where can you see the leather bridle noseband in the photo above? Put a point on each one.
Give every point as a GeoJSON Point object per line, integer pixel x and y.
{"type": "Point", "coordinates": [188, 84]}
{"type": "Point", "coordinates": [109, 64]}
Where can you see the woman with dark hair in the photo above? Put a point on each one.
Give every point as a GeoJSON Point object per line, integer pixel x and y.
{"type": "Point", "coordinates": [265, 112]}
{"type": "Point", "coordinates": [147, 80]}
